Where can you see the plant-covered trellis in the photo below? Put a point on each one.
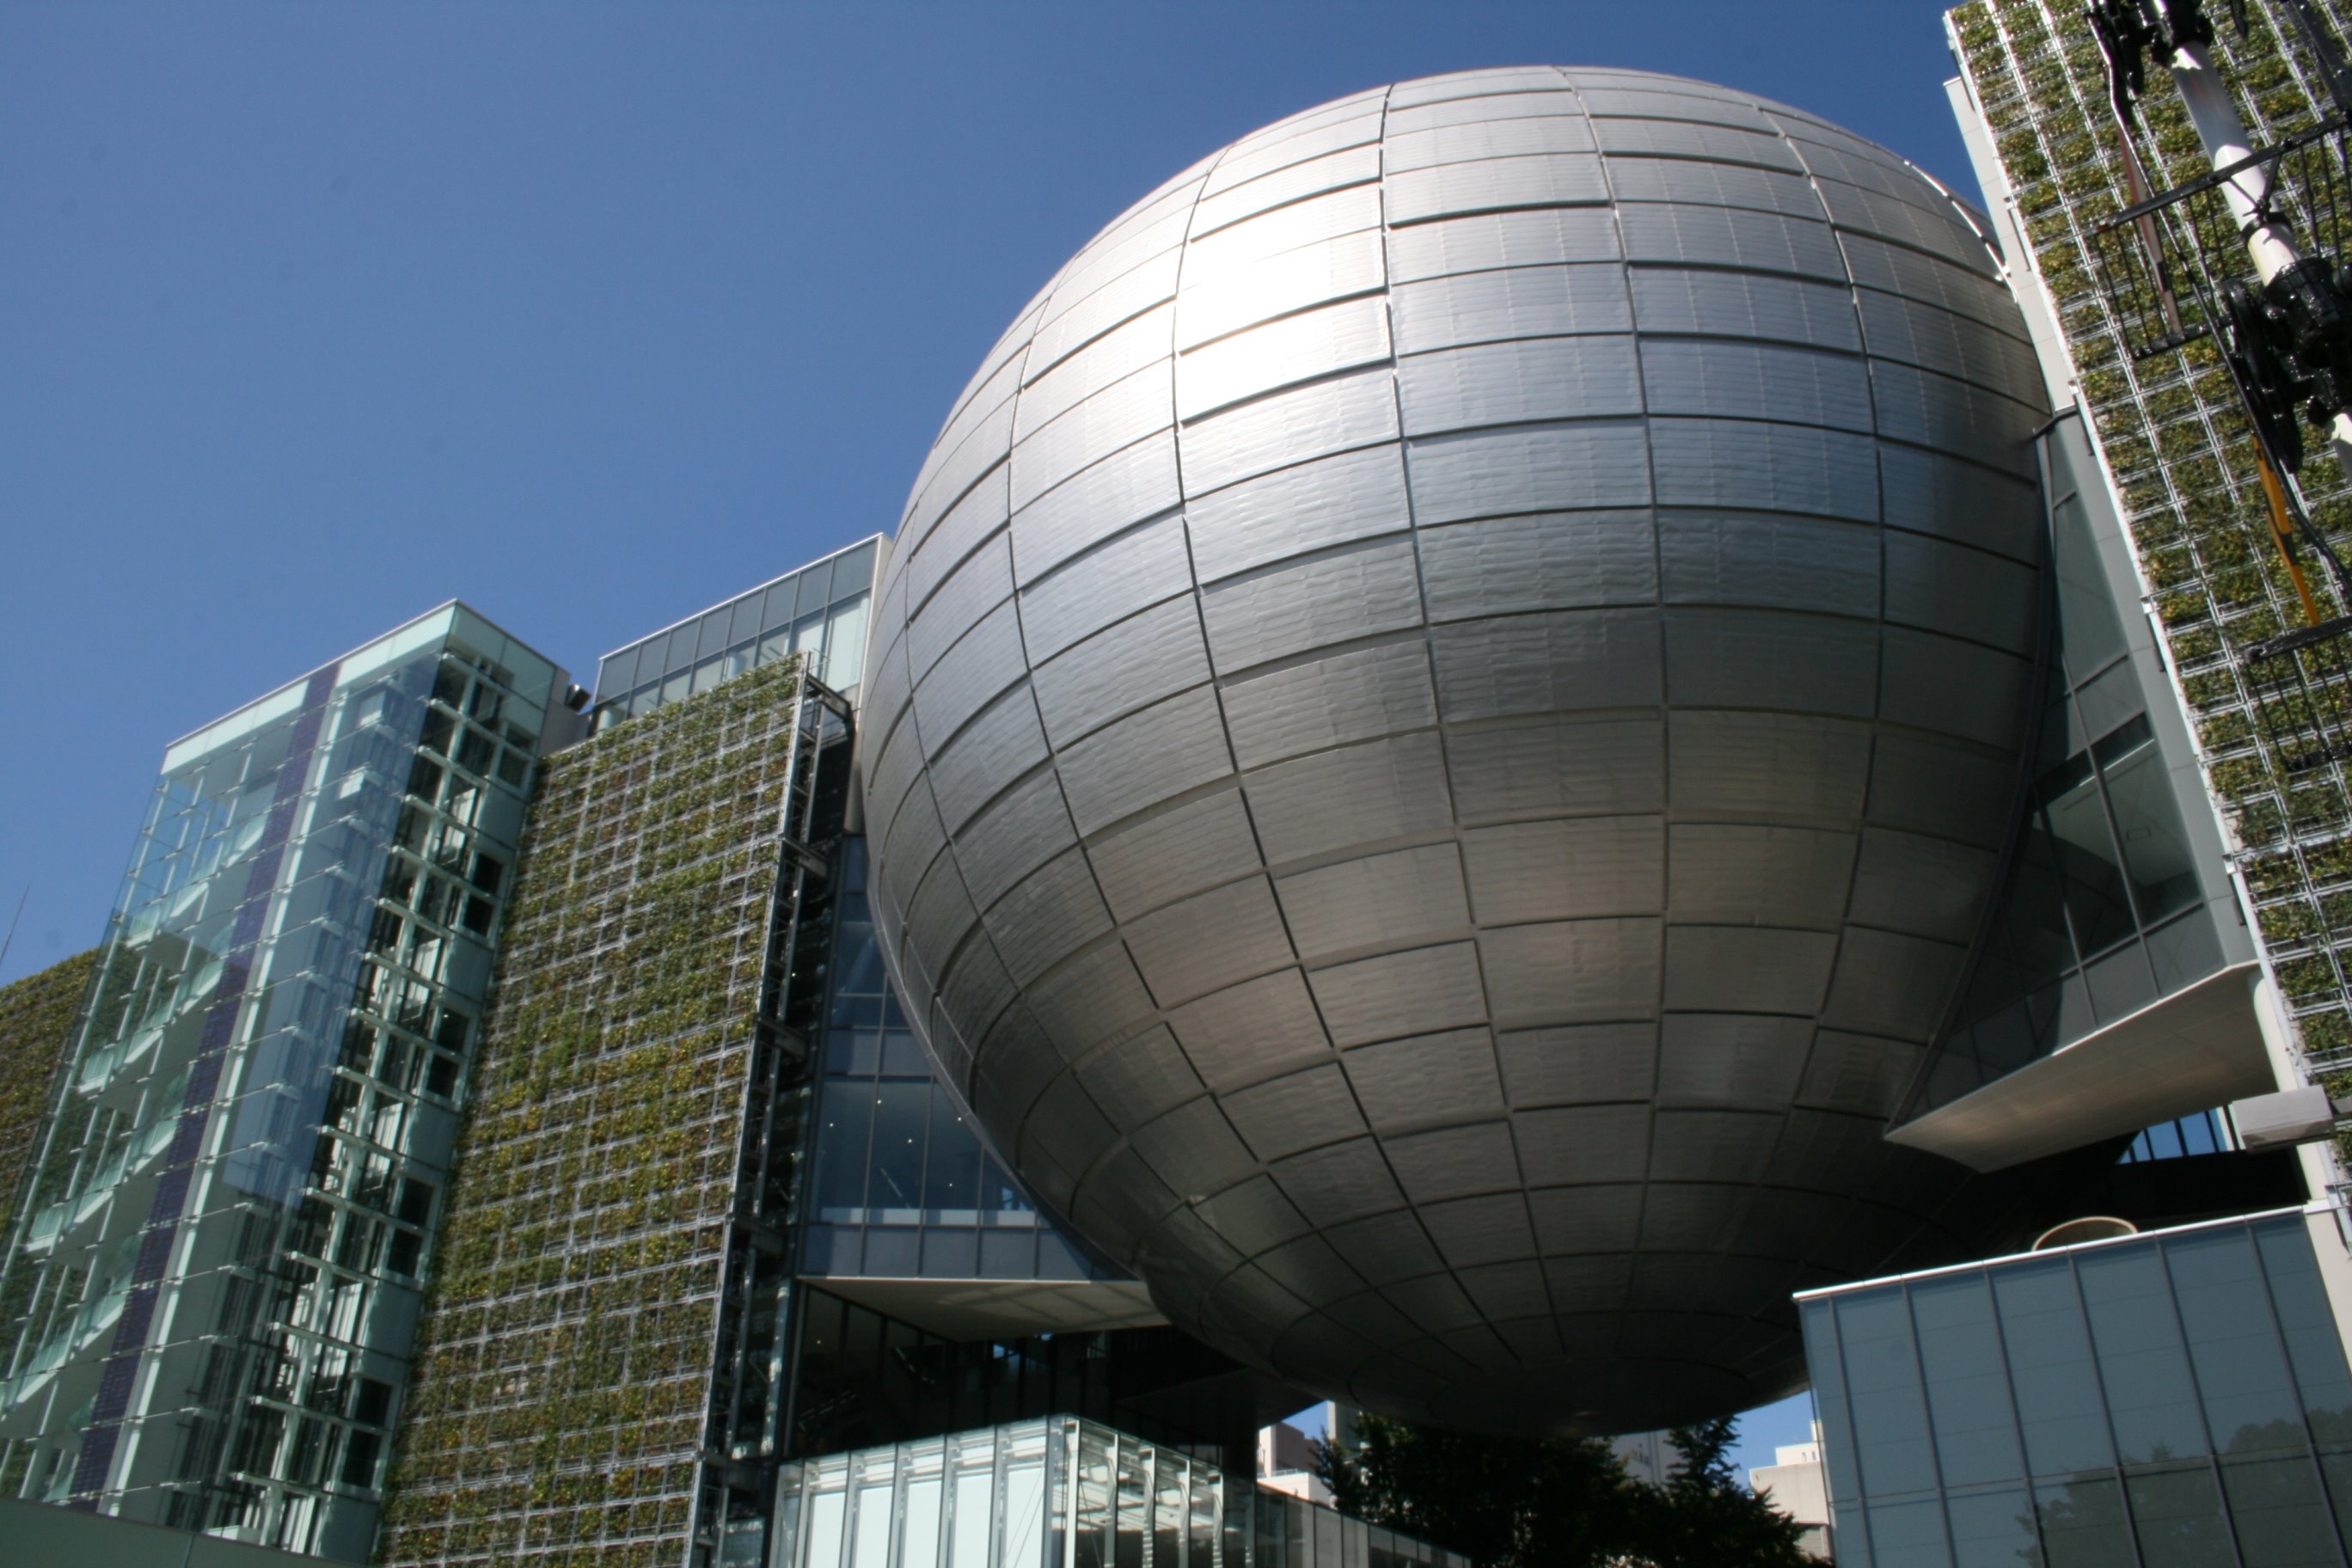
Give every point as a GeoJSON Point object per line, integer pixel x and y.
{"type": "Point", "coordinates": [2174, 433]}
{"type": "Point", "coordinates": [37, 1015]}
{"type": "Point", "coordinates": [557, 1411]}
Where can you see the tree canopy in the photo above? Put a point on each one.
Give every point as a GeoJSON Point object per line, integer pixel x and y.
{"type": "Point", "coordinates": [1509, 1502]}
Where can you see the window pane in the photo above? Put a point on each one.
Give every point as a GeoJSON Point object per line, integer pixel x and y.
{"type": "Point", "coordinates": [808, 637]}
{"type": "Point", "coordinates": [2251, 1403]}
{"type": "Point", "coordinates": [952, 1179]}
{"type": "Point", "coordinates": [900, 1114]}
{"type": "Point", "coordinates": [712, 637]}
{"type": "Point", "coordinates": [920, 1547]}
{"type": "Point", "coordinates": [1968, 1386]}
{"type": "Point", "coordinates": [1908, 1532]}
{"type": "Point", "coordinates": [2313, 1347]}
{"type": "Point", "coordinates": [2279, 1518]}
{"type": "Point", "coordinates": [1882, 1376]}
{"type": "Point", "coordinates": [1822, 1358]}
{"type": "Point", "coordinates": [2050, 1365]}
{"type": "Point", "coordinates": [1000, 1194]}
{"type": "Point", "coordinates": [853, 572]}
{"type": "Point", "coordinates": [2179, 1516]}
{"type": "Point", "coordinates": [2083, 1525]}
{"type": "Point", "coordinates": [848, 1113]}
{"type": "Point", "coordinates": [845, 662]}
{"type": "Point", "coordinates": [778, 609]}
{"type": "Point", "coordinates": [816, 588]}
{"type": "Point", "coordinates": [2090, 632]}
{"type": "Point", "coordinates": [2088, 867]}
{"type": "Point", "coordinates": [2148, 821]}
{"type": "Point", "coordinates": [744, 619]}
{"type": "Point", "coordinates": [2150, 1401]}
{"type": "Point", "coordinates": [1991, 1530]}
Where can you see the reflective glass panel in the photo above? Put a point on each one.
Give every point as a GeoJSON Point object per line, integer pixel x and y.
{"type": "Point", "coordinates": [2251, 1403]}
{"type": "Point", "coordinates": [2143, 1366]}
{"type": "Point", "coordinates": [2050, 1369]}
{"type": "Point", "coordinates": [2280, 1514]}
{"type": "Point", "coordinates": [2090, 633]}
{"type": "Point", "coordinates": [2083, 1524]}
{"type": "Point", "coordinates": [1990, 1530]}
{"type": "Point", "coordinates": [2090, 871]}
{"type": "Point", "coordinates": [1967, 1385]}
{"type": "Point", "coordinates": [2147, 822]}
{"type": "Point", "coordinates": [844, 663]}
{"type": "Point", "coordinates": [2177, 1515]}
{"type": "Point", "coordinates": [2314, 1349]}
{"type": "Point", "coordinates": [1882, 1376]}
{"type": "Point", "coordinates": [901, 1113]}
{"type": "Point", "coordinates": [1909, 1534]}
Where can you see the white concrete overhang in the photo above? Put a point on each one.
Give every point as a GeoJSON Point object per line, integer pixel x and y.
{"type": "Point", "coordinates": [2192, 1051]}
{"type": "Point", "coordinates": [969, 1310]}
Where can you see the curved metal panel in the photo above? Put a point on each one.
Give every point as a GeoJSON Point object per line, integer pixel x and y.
{"type": "Point", "coordinates": [1453, 803]}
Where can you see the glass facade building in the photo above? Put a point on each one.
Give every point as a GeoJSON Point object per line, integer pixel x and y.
{"type": "Point", "coordinates": [214, 1272]}
{"type": "Point", "coordinates": [2178, 1398]}
{"type": "Point", "coordinates": [818, 611]}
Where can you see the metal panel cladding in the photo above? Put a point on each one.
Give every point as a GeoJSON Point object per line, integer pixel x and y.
{"type": "Point", "coordinates": [1440, 721]}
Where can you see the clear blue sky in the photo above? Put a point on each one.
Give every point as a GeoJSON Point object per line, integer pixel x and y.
{"type": "Point", "coordinates": [313, 315]}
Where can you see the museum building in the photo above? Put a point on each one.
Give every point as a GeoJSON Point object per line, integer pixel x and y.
{"type": "Point", "coordinates": [1550, 750]}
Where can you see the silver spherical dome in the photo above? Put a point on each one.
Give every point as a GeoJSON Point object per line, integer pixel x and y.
{"type": "Point", "coordinates": [1440, 721]}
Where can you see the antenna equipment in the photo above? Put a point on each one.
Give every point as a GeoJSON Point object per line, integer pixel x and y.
{"type": "Point", "coordinates": [2252, 252]}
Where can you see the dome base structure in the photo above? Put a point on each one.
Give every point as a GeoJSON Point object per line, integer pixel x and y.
{"type": "Point", "coordinates": [1440, 724]}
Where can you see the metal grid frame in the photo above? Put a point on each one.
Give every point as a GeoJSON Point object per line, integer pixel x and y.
{"type": "Point", "coordinates": [592, 1335]}
{"type": "Point", "coordinates": [2170, 428]}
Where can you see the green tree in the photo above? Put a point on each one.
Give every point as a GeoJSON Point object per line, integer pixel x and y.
{"type": "Point", "coordinates": [1703, 1518]}
{"type": "Point", "coordinates": [1557, 1502]}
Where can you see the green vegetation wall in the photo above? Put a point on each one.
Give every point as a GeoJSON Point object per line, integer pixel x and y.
{"type": "Point", "coordinates": [2173, 433]}
{"type": "Point", "coordinates": [563, 1366]}
{"type": "Point", "coordinates": [37, 1015]}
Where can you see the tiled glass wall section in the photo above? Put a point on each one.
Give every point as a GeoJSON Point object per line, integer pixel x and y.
{"type": "Point", "coordinates": [818, 612]}
{"type": "Point", "coordinates": [36, 1018]}
{"type": "Point", "coordinates": [214, 1269]}
{"type": "Point", "coordinates": [565, 1365]}
{"type": "Point", "coordinates": [2171, 429]}
{"type": "Point", "coordinates": [2109, 902]}
{"type": "Point", "coordinates": [1061, 1492]}
{"type": "Point", "coordinates": [904, 1188]}
{"type": "Point", "coordinates": [1041, 1492]}
{"type": "Point", "coordinates": [2172, 1399]}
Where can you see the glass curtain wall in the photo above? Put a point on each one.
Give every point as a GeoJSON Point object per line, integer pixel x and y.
{"type": "Point", "coordinates": [2177, 1399]}
{"type": "Point", "coordinates": [904, 1187]}
{"type": "Point", "coordinates": [1060, 1493]}
{"type": "Point", "coordinates": [2103, 910]}
{"type": "Point", "coordinates": [211, 1285]}
{"type": "Point", "coordinates": [818, 612]}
